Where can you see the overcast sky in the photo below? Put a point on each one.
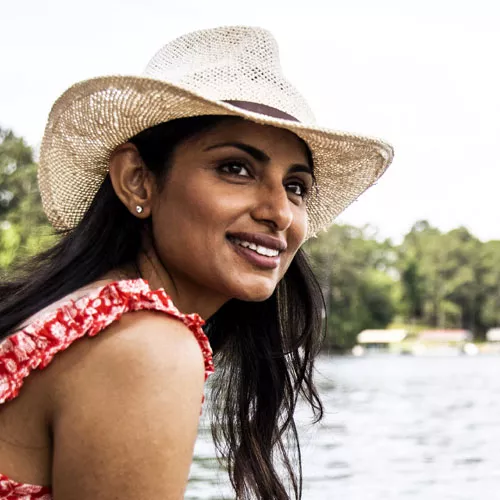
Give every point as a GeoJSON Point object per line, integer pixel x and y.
{"type": "Point", "coordinates": [423, 75]}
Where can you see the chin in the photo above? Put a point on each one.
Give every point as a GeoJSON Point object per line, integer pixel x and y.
{"type": "Point", "coordinates": [254, 292]}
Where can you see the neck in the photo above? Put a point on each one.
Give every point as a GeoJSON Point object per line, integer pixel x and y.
{"type": "Point", "coordinates": [187, 296]}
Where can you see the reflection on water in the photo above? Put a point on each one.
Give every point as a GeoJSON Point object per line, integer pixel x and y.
{"type": "Point", "coordinates": [395, 428]}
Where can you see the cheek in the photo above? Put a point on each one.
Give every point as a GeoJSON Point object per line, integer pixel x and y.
{"type": "Point", "coordinates": [296, 235]}
{"type": "Point", "coordinates": [298, 231]}
{"type": "Point", "coordinates": [183, 201]}
{"type": "Point", "coordinates": [194, 213]}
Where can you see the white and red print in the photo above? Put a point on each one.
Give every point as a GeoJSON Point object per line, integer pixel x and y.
{"type": "Point", "coordinates": [35, 346]}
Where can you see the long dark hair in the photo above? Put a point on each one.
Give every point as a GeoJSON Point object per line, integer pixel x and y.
{"type": "Point", "coordinates": [264, 351]}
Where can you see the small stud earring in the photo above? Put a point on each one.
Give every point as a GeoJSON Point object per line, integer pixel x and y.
{"type": "Point", "coordinates": [139, 209]}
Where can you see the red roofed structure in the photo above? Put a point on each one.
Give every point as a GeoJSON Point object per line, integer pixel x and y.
{"type": "Point", "coordinates": [445, 336]}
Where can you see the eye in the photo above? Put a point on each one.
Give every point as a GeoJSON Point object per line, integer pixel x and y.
{"type": "Point", "coordinates": [236, 168]}
{"type": "Point", "coordinates": [297, 188]}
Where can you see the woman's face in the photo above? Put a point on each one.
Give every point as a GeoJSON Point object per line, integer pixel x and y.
{"type": "Point", "coordinates": [232, 213]}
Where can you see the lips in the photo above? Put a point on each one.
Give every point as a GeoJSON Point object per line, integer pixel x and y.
{"type": "Point", "coordinates": [260, 250]}
{"type": "Point", "coordinates": [260, 239]}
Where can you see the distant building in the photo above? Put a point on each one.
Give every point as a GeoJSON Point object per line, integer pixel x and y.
{"type": "Point", "coordinates": [445, 336]}
{"type": "Point", "coordinates": [445, 342]}
{"type": "Point", "coordinates": [379, 340]}
{"type": "Point", "coordinates": [493, 335]}
{"type": "Point", "coordinates": [381, 337]}
{"type": "Point", "coordinates": [427, 342]}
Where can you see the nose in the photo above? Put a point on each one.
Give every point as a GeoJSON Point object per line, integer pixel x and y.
{"type": "Point", "coordinates": [273, 207]}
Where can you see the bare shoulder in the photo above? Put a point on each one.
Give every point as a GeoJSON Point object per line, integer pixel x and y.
{"type": "Point", "coordinates": [141, 345]}
{"type": "Point", "coordinates": [127, 404]}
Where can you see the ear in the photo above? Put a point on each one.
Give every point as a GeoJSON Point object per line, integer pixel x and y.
{"type": "Point", "coordinates": [132, 181]}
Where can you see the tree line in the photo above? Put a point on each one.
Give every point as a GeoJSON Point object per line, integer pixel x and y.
{"type": "Point", "coordinates": [433, 278]}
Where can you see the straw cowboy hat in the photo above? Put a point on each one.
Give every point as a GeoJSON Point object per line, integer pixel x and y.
{"type": "Point", "coordinates": [224, 71]}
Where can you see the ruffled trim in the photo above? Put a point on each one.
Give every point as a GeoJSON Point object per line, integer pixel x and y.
{"type": "Point", "coordinates": [36, 345]}
{"type": "Point", "coordinates": [12, 490]}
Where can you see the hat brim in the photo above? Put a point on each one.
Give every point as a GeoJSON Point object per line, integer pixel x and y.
{"type": "Point", "coordinates": [93, 117]}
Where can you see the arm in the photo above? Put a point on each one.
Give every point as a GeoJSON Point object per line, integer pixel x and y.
{"type": "Point", "coordinates": [127, 411]}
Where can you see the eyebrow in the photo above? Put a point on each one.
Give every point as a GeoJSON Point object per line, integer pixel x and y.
{"type": "Point", "coordinates": [260, 155]}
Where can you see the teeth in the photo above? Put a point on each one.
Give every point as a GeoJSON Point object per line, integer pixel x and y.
{"type": "Point", "coordinates": [268, 252]}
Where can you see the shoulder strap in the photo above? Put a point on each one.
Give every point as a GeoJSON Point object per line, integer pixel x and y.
{"type": "Point", "coordinates": [36, 345]}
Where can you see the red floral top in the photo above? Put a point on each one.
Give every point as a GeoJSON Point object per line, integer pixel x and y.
{"type": "Point", "coordinates": [36, 345]}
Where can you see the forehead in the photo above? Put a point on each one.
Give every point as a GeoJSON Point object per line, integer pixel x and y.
{"type": "Point", "coordinates": [271, 140]}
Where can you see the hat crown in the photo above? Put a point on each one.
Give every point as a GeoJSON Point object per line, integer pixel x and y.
{"type": "Point", "coordinates": [230, 64]}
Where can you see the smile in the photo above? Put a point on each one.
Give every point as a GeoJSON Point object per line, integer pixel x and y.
{"type": "Point", "coordinates": [261, 250]}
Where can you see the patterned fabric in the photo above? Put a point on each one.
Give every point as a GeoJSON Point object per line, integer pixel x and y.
{"type": "Point", "coordinates": [11, 490]}
{"type": "Point", "coordinates": [36, 345]}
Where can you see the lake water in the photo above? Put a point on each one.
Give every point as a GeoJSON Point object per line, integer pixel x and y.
{"type": "Point", "coordinates": [425, 428]}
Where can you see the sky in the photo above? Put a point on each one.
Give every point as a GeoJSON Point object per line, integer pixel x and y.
{"type": "Point", "coordinates": [424, 76]}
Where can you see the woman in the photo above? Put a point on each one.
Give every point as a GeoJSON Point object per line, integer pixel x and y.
{"type": "Point", "coordinates": [193, 185]}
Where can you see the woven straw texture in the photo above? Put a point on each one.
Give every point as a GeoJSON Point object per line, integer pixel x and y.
{"type": "Point", "coordinates": [192, 76]}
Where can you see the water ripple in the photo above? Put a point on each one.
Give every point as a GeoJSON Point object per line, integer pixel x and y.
{"type": "Point", "coordinates": [394, 428]}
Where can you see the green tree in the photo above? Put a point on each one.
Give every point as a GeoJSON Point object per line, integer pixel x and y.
{"type": "Point", "coordinates": [464, 272]}
{"type": "Point", "coordinates": [450, 279]}
{"type": "Point", "coordinates": [490, 311]}
{"type": "Point", "coordinates": [352, 268]}
{"type": "Point", "coordinates": [423, 256]}
{"type": "Point", "coordinates": [24, 229]}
